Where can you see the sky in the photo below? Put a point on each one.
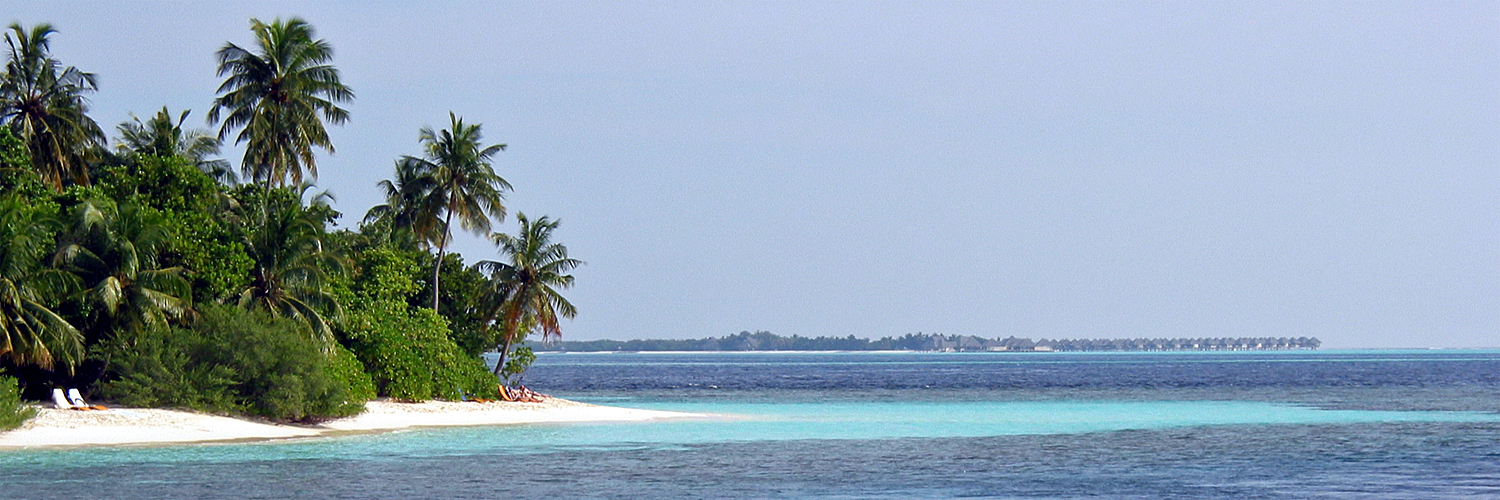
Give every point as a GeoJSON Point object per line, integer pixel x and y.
{"type": "Point", "coordinates": [1030, 169]}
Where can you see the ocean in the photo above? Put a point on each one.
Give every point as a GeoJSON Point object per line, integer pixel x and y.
{"type": "Point", "coordinates": [1290, 424]}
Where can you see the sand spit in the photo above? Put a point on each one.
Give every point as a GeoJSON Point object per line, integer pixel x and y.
{"type": "Point", "coordinates": [54, 428]}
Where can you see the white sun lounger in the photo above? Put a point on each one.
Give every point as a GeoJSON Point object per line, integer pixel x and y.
{"type": "Point", "coordinates": [78, 401]}
{"type": "Point", "coordinates": [60, 400]}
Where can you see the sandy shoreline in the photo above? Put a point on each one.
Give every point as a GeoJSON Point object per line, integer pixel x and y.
{"type": "Point", "coordinates": [53, 428]}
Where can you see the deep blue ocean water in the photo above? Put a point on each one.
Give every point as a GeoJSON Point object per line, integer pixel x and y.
{"type": "Point", "coordinates": [1304, 424]}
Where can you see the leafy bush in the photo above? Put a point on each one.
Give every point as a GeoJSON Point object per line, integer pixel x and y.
{"type": "Point", "coordinates": [214, 253]}
{"type": "Point", "coordinates": [346, 369]}
{"type": "Point", "coordinates": [16, 172]}
{"type": "Point", "coordinates": [461, 300]}
{"type": "Point", "coordinates": [190, 203]}
{"type": "Point", "coordinates": [160, 182]}
{"type": "Point", "coordinates": [409, 355]}
{"type": "Point", "coordinates": [236, 361]}
{"type": "Point", "coordinates": [12, 411]}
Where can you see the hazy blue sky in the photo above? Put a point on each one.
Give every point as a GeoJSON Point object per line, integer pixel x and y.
{"type": "Point", "coordinates": [1045, 169]}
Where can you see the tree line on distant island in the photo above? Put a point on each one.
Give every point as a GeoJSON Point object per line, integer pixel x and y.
{"type": "Point", "coordinates": [767, 341]}
{"type": "Point", "coordinates": [144, 270]}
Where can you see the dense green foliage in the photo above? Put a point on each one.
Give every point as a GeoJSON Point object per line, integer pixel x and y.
{"type": "Point", "coordinates": [463, 300]}
{"type": "Point", "coordinates": [112, 252]}
{"type": "Point", "coordinates": [17, 177]}
{"type": "Point", "coordinates": [194, 209]}
{"type": "Point", "coordinates": [406, 349]}
{"type": "Point", "coordinates": [231, 360]}
{"type": "Point", "coordinates": [12, 411]}
{"type": "Point", "coordinates": [31, 332]}
{"type": "Point", "coordinates": [409, 355]}
{"type": "Point", "coordinates": [290, 275]}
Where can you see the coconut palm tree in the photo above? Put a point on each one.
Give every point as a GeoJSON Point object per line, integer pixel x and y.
{"type": "Point", "coordinates": [112, 251]}
{"type": "Point", "coordinates": [275, 97]}
{"type": "Point", "coordinates": [30, 332]}
{"type": "Point", "coordinates": [462, 183]}
{"type": "Point", "coordinates": [290, 274]}
{"type": "Point", "coordinates": [404, 209]}
{"type": "Point", "coordinates": [43, 104]}
{"type": "Point", "coordinates": [526, 294]}
{"type": "Point", "coordinates": [162, 136]}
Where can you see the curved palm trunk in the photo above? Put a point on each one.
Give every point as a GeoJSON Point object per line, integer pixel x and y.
{"type": "Point", "coordinates": [504, 352]}
{"type": "Point", "coordinates": [437, 267]}
{"type": "Point", "coordinates": [509, 329]}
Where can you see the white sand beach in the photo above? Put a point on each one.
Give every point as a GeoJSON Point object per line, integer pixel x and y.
{"type": "Point", "coordinates": [386, 415]}
{"type": "Point", "coordinates": [139, 426]}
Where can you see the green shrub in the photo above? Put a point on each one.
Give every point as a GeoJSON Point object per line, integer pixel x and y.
{"type": "Point", "coordinates": [12, 411]}
{"type": "Point", "coordinates": [409, 355]}
{"type": "Point", "coordinates": [347, 369]}
{"type": "Point", "coordinates": [160, 367]}
{"type": "Point", "coordinates": [236, 361]}
{"type": "Point", "coordinates": [188, 202]}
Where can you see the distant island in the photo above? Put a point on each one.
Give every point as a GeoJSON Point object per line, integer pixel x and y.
{"type": "Point", "coordinates": [767, 341]}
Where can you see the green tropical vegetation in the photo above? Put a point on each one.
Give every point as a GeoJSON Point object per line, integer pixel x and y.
{"type": "Point", "coordinates": [12, 411]}
{"type": "Point", "coordinates": [233, 360]}
{"type": "Point", "coordinates": [162, 137]}
{"type": "Point", "coordinates": [142, 272]}
{"type": "Point", "coordinates": [33, 333]}
{"type": "Point", "coordinates": [43, 103]}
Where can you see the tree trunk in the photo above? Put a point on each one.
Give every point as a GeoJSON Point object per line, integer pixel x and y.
{"type": "Point", "coordinates": [504, 351]}
{"type": "Point", "coordinates": [437, 268]}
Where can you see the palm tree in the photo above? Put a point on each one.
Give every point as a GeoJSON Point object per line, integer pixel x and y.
{"type": "Point", "coordinates": [404, 209]}
{"type": "Point", "coordinates": [462, 183]}
{"type": "Point", "coordinates": [113, 251]}
{"type": "Point", "coordinates": [290, 274]}
{"type": "Point", "coordinates": [43, 104]}
{"type": "Point", "coordinates": [525, 296]}
{"type": "Point", "coordinates": [274, 96]}
{"type": "Point", "coordinates": [161, 136]}
{"type": "Point", "coordinates": [30, 332]}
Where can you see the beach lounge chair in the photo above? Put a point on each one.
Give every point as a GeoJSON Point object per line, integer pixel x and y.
{"type": "Point", "coordinates": [60, 400]}
{"type": "Point", "coordinates": [79, 403]}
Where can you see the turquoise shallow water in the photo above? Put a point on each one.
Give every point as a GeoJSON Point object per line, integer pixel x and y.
{"type": "Point", "coordinates": [729, 422]}
{"type": "Point", "coordinates": [1412, 424]}
{"type": "Point", "coordinates": [882, 420]}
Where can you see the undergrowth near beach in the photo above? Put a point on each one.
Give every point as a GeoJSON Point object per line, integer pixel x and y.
{"type": "Point", "coordinates": [236, 361]}
{"type": "Point", "coordinates": [12, 411]}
